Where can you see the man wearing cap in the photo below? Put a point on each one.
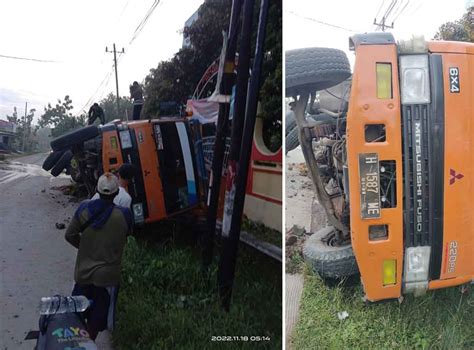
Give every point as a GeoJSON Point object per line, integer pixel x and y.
{"type": "Point", "coordinates": [125, 175]}
{"type": "Point", "coordinates": [98, 230]}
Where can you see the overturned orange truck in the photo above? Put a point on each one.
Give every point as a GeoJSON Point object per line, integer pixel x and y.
{"type": "Point", "coordinates": [394, 167]}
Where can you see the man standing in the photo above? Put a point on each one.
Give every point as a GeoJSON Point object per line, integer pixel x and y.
{"type": "Point", "coordinates": [98, 230]}
{"type": "Point", "coordinates": [125, 174]}
{"type": "Point", "coordinates": [136, 93]}
{"type": "Point", "coordinates": [96, 112]}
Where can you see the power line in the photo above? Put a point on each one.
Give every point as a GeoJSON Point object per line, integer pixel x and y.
{"type": "Point", "coordinates": [382, 24]}
{"type": "Point", "coordinates": [321, 22]}
{"type": "Point", "coordinates": [28, 59]}
{"type": "Point", "coordinates": [401, 11]}
{"type": "Point", "coordinates": [143, 22]}
{"type": "Point", "coordinates": [390, 8]}
{"type": "Point", "coordinates": [381, 5]}
{"type": "Point", "coordinates": [104, 82]}
{"type": "Point", "coordinates": [135, 34]}
{"type": "Point", "coordinates": [414, 10]}
{"type": "Point", "coordinates": [123, 10]}
{"type": "Point", "coordinates": [397, 8]}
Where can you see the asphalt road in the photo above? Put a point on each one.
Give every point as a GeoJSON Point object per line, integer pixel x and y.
{"type": "Point", "coordinates": [35, 260]}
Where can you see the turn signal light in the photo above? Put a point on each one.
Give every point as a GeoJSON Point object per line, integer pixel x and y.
{"type": "Point", "coordinates": [384, 80]}
{"type": "Point", "coordinates": [389, 272]}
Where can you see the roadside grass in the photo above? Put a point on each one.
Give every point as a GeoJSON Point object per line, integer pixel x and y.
{"type": "Point", "coordinates": [262, 232]}
{"type": "Point", "coordinates": [165, 302]}
{"type": "Point", "coordinates": [294, 261]}
{"type": "Point", "coordinates": [442, 319]}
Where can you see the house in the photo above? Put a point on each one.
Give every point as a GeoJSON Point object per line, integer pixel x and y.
{"type": "Point", "coordinates": [7, 135]}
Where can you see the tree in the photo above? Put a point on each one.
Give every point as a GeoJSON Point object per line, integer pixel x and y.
{"type": "Point", "coordinates": [25, 132]}
{"type": "Point", "coordinates": [60, 117]}
{"type": "Point", "coordinates": [270, 92]}
{"type": "Point", "coordinates": [14, 117]}
{"type": "Point", "coordinates": [460, 30]}
{"type": "Point", "coordinates": [109, 105]}
{"type": "Point", "coordinates": [176, 79]}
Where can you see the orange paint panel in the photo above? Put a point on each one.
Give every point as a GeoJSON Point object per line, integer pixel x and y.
{"type": "Point", "coordinates": [111, 150]}
{"type": "Point", "coordinates": [365, 108]}
{"type": "Point", "coordinates": [451, 282]}
{"type": "Point", "coordinates": [451, 47]}
{"type": "Point", "coordinates": [150, 170]}
{"type": "Point", "coordinates": [458, 239]}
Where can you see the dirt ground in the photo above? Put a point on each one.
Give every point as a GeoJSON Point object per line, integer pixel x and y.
{"type": "Point", "coordinates": [35, 260]}
{"type": "Point", "coordinates": [304, 214]}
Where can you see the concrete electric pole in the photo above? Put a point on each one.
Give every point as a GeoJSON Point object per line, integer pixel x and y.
{"type": "Point", "coordinates": [114, 51]}
{"type": "Point", "coordinates": [387, 13]}
{"type": "Point", "coordinates": [382, 24]}
{"type": "Point", "coordinates": [24, 128]}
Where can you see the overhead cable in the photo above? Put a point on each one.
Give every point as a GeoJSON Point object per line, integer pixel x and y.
{"type": "Point", "coordinates": [321, 22]}
{"type": "Point", "coordinates": [28, 59]}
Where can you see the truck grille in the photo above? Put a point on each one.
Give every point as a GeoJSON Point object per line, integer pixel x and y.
{"type": "Point", "coordinates": [416, 165]}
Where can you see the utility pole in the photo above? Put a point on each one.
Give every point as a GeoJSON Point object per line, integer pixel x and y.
{"type": "Point", "coordinates": [382, 24]}
{"type": "Point", "coordinates": [215, 176]}
{"type": "Point", "coordinates": [389, 10]}
{"type": "Point", "coordinates": [231, 233]}
{"type": "Point", "coordinates": [24, 127]}
{"type": "Point", "coordinates": [116, 74]}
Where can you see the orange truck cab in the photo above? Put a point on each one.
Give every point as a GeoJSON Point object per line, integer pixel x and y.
{"type": "Point", "coordinates": [417, 98]}
{"type": "Point", "coordinates": [165, 182]}
{"type": "Point", "coordinates": [166, 179]}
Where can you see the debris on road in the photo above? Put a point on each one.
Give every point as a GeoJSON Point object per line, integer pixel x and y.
{"type": "Point", "coordinates": [291, 240]}
{"type": "Point", "coordinates": [60, 226]}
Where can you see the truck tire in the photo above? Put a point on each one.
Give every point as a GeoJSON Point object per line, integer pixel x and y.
{"type": "Point", "coordinates": [74, 137]}
{"type": "Point", "coordinates": [291, 140]}
{"type": "Point", "coordinates": [62, 163]}
{"type": "Point", "coordinates": [290, 122]}
{"type": "Point", "coordinates": [51, 159]}
{"type": "Point", "coordinates": [328, 261]}
{"type": "Point", "coordinates": [314, 69]}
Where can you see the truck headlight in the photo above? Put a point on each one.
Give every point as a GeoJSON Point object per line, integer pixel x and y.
{"type": "Point", "coordinates": [417, 262]}
{"type": "Point", "coordinates": [415, 79]}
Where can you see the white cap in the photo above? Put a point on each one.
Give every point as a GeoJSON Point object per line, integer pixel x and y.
{"type": "Point", "coordinates": [107, 184]}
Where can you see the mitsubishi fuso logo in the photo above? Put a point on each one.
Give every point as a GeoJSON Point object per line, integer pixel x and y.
{"type": "Point", "coordinates": [418, 179]}
{"type": "Point", "coordinates": [454, 176]}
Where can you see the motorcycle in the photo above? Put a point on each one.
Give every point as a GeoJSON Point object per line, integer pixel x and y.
{"type": "Point", "coordinates": [62, 325]}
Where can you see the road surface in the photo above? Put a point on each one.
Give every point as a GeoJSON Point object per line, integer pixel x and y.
{"type": "Point", "coordinates": [35, 260]}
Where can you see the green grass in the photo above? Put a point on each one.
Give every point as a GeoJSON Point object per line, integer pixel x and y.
{"type": "Point", "coordinates": [294, 261]}
{"type": "Point", "coordinates": [262, 232]}
{"type": "Point", "coordinates": [442, 319]}
{"type": "Point", "coordinates": [166, 303]}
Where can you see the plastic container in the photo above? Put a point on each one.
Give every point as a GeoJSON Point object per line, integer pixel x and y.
{"type": "Point", "coordinates": [60, 305]}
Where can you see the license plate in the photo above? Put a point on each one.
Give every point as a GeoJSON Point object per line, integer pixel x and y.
{"type": "Point", "coordinates": [125, 139]}
{"type": "Point", "coordinates": [369, 185]}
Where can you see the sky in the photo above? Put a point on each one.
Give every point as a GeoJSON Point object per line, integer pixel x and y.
{"type": "Point", "coordinates": [74, 34]}
{"type": "Point", "coordinates": [302, 27]}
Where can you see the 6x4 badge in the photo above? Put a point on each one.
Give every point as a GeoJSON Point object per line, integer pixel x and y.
{"type": "Point", "coordinates": [454, 80]}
